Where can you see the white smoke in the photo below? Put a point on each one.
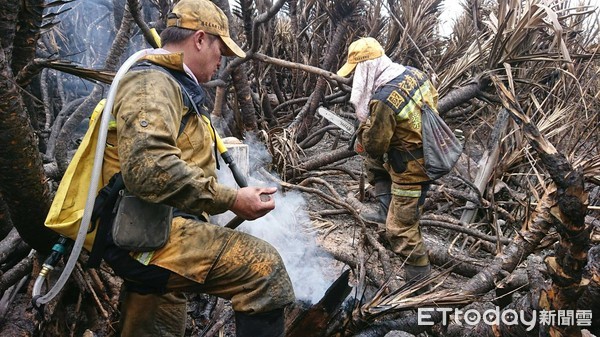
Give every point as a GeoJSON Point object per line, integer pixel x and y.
{"type": "Point", "coordinates": [287, 228]}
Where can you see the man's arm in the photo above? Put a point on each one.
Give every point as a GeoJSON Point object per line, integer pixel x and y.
{"type": "Point", "coordinates": [378, 129]}
{"type": "Point", "coordinates": [148, 111]}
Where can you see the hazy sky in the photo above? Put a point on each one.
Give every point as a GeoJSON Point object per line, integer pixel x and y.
{"type": "Point", "coordinates": [452, 8]}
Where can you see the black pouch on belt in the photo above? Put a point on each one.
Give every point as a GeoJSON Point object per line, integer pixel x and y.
{"type": "Point", "coordinates": [397, 160]}
{"type": "Point", "coordinates": [140, 226]}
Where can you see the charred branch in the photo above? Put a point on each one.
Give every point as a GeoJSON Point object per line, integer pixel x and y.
{"type": "Point", "coordinates": [136, 13]}
{"type": "Point", "coordinates": [15, 274]}
{"type": "Point", "coordinates": [304, 67]}
{"type": "Point", "coordinates": [314, 321]}
{"type": "Point", "coordinates": [465, 230]}
{"type": "Point", "coordinates": [324, 159]}
{"type": "Point", "coordinates": [463, 94]}
{"type": "Point", "coordinates": [460, 263]}
{"type": "Point", "coordinates": [9, 244]}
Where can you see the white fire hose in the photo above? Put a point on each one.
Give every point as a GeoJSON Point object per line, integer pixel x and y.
{"type": "Point", "coordinates": [38, 299]}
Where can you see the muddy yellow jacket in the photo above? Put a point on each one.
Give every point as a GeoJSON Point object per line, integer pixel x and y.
{"type": "Point", "coordinates": [143, 142]}
{"type": "Point", "coordinates": [395, 121]}
{"type": "Point", "coordinates": [157, 164]}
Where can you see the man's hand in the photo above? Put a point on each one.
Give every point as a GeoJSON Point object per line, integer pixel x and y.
{"type": "Point", "coordinates": [249, 204]}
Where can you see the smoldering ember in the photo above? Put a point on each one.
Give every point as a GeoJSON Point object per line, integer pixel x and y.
{"type": "Point", "coordinates": [343, 107]}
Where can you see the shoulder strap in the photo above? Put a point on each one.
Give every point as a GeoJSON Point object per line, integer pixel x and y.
{"type": "Point", "coordinates": [193, 97]}
{"type": "Point", "coordinates": [417, 74]}
{"type": "Point", "coordinates": [192, 92]}
{"type": "Point", "coordinates": [185, 82]}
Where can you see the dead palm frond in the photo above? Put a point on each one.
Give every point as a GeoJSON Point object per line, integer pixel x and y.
{"type": "Point", "coordinates": [78, 70]}
{"type": "Point", "coordinates": [463, 38]}
{"type": "Point", "coordinates": [411, 33]}
{"type": "Point", "coordinates": [284, 150]}
{"type": "Point", "coordinates": [463, 67]}
{"type": "Point", "coordinates": [406, 297]}
{"type": "Point", "coordinates": [527, 35]}
{"type": "Point", "coordinates": [532, 45]}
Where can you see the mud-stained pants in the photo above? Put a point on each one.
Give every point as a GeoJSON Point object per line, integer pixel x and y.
{"type": "Point", "coordinates": [244, 269]}
{"type": "Point", "coordinates": [402, 224]}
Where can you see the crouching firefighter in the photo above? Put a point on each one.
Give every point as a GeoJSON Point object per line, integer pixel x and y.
{"type": "Point", "coordinates": [160, 159]}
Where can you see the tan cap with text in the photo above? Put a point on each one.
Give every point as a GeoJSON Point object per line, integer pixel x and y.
{"type": "Point", "coordinates": [360, 50]}
{"type": "Point", "coordinates": [204, 15]}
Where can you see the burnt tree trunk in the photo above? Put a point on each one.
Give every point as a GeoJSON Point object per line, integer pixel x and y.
{"type": "Point", "coordinates": [590, 299]}
{"type": "Point", "coordinates": [22, 182]}
{"type": "Point", "coordinates": [27, 34]}
{"type": "Point", "coordinates": [565, 265]}
{"type": "Point", "coordinates": [136, 12]}
{"type": "Point", "coordinates": [116, 51]}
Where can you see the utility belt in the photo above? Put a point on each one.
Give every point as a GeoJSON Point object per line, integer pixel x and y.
{"type": "Point", "coordinates": [399, 159]}
{"type": "Point", "coordinates": [130, 223]}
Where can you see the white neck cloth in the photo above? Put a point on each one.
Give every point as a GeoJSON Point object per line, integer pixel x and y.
{"type": "Point", "coordinates": [368, 77]}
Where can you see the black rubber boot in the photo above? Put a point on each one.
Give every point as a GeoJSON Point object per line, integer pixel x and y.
{"type": "Point", "coordinates": [383, 192]}
{"type": "Point", "coordinates": [416, 274]}
{"type": "Point", "coordinates": [267, 324]}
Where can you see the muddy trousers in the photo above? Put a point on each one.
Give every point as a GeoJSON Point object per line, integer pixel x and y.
{"type": "Point", "coordinates": [402, 224]}
{"type": "Point", "coordinates": [244, 269]}
{"type": "Point", "coordinates": [153, 314]}
{"type": "Point", "coordinates": [165, 315]}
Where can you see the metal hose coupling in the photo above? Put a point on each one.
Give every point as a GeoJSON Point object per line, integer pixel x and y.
{"type": "Point", "coordinates": [58, 250]}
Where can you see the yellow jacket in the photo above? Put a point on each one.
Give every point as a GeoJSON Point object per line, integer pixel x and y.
{"type": "Point", "coordinates": [395, 121]}
{"type": "Point", "coordinates": [157, 164]}
{"type": "Point", "coordinates": [143, 142]}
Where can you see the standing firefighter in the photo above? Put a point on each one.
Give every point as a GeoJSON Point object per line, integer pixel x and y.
{"type": "Point", "coordinates": [163, 164]}
{"type": "Point", "coordinates": [387, 98]}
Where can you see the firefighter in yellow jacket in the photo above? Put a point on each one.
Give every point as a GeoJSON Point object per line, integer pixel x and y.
{"type": "Point", "coordinates": [387, 97]}
{"type": "Point", "coordinates": [160, 164]}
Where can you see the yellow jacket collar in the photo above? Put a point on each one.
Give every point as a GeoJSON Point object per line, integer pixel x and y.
{"type": "Point", "coordinates": [169, 60]}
